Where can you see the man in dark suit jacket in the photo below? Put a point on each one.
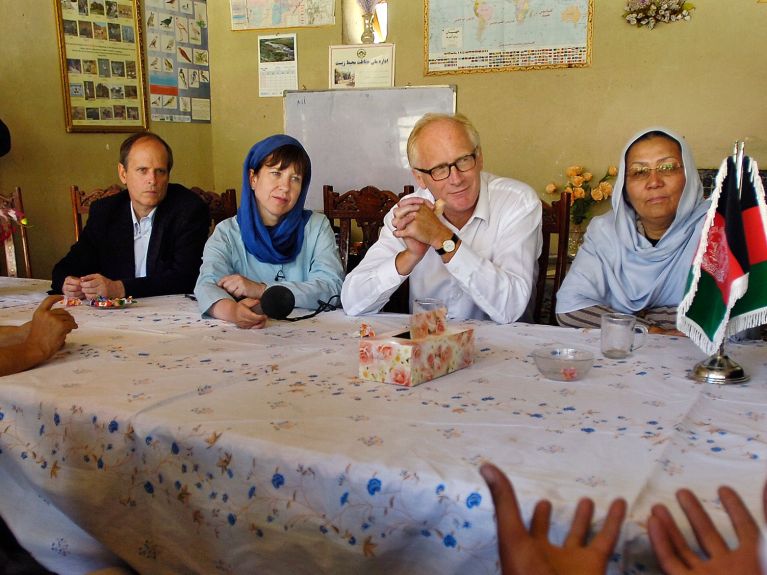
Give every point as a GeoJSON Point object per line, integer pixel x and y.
{"type": "Point", "coordinates": [163, 225]}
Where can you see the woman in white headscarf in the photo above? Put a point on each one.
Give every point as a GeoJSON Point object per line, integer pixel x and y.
{"type": "Point", "coordinates": [635, 259]}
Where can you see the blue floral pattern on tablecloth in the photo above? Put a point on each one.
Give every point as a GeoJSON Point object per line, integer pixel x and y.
{"type": "Point", "coordinates": [245, 442]}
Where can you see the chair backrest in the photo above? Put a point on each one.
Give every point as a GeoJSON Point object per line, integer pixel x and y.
{"type": "Point", "coordinates": [366, 207]}
{"type": "Point", "coordinates": [18, 233]}
{"type": "Point", "coordinates": [221, 206]}
{"type": "Point", "coordinates": [82, 201]}
{"type": "Point", "coordinates": [555, 220]}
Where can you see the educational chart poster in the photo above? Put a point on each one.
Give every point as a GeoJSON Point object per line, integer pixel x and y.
{"type": "Point", "coordinates": [101, 65]}
{"type": "Point", "coordinates": [253, 14]}
{"type": "Point", "coordinates": [494, 35]}
{"type": "Point", "coordinates": [178, 60]}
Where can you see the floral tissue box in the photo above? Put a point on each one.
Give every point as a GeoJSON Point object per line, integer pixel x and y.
{"type": "Point", "coordinates": [403, 359]}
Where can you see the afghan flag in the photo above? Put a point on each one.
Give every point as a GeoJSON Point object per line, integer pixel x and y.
{"type": "Point", "coordinates": [727, 286]}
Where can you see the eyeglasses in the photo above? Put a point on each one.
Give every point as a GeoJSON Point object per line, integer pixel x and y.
{"type": "Point", "coordinates": [640, 173]}
{"type": "Point", "coordinates": [462, 164]}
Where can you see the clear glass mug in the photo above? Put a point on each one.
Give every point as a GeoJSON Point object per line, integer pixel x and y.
{"type": "Point", "coordinates": [619, 335]}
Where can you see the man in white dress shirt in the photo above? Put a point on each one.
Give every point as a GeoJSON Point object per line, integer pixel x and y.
{"type": "Point", "coordinates": [478, 255]}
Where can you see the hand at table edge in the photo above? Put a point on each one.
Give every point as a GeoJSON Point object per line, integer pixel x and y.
{"type": "Point", "coordinates": [46, 334]}
{"type": "Point", "coordinates": [529, 552]}
{"type": "Point", "coordinates": [675, 555]}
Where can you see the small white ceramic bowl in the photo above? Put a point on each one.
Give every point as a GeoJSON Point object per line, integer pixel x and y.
{"type": "Point", "coordinates": [563, 363]}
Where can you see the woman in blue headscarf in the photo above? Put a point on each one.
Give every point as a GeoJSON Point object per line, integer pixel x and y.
{"type": "Point", "coordinates": [636, 258]}
{"type": "Point", "coordinates": [273, 239]}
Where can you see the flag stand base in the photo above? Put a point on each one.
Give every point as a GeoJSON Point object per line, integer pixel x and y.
{"type": "Point", "coordinates": [719, 369]}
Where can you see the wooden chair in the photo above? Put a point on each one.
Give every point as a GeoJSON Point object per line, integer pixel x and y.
{"type": "Point", "coordinates": [221, 206]}
{"type": "Point", "coordinates": [556, 220]}
{"type": "Point", "coordinates": [18, 235]}
{"type": "Point", "coordinates": [82, 201]}
{"type": "Point", "coordinates": [366, 207]}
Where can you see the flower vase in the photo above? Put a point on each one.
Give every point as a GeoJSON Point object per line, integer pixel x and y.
{"type": "Point", "coordinates": [367, 28]}
{"type": "Point", "coordinates": [575, 239]}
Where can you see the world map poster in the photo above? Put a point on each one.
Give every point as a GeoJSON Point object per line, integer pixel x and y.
{"type": "Point", "coordinates": [494, 35]}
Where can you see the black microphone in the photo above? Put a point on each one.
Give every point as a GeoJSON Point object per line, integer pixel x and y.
{"type": "Point", "coordinates": [277, 302]}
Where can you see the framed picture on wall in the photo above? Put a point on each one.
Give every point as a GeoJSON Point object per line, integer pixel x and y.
{"type": "Point", "coordinates": [102, 65]}
{"type": "Point", "coordinates": [463, 38]}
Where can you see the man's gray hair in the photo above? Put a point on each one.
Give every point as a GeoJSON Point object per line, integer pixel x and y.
{"type": "Point", "coordinates": [430, 118]}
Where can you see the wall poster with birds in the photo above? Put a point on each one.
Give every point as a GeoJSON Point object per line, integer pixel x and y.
{"type": "Point", "coordinates": [177, 39]}
{"type": "Point", "coordinates": [101, 52]}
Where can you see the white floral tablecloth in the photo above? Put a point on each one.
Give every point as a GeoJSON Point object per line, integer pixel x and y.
{"type": "Point", "coordinates": [183, 445]}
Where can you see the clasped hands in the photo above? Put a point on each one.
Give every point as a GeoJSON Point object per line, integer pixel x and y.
{"type": "Point", "coordinates": [416, 222]}
{"type": "Point", "coordinates": [92, 286]}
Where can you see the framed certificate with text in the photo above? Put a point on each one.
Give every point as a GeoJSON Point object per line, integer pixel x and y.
{"type": "Point", "coordinates": [362, 66]}
{"type": "Point", "coordinates": [102, 65]}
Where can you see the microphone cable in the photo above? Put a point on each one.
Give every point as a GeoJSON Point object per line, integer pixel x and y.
{"type": "Point", "coordinates": [332, 304]}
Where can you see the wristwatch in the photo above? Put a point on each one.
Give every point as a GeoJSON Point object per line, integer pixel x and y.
{"type": "Point", "coordinates": [448, 246]}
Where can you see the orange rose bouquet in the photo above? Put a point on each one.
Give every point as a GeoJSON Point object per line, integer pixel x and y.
{"type": "Point", "coordinates": [584, 190]}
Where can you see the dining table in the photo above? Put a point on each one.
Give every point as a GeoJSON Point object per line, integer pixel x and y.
{"type": "Point", "coordinates": [169, 443]}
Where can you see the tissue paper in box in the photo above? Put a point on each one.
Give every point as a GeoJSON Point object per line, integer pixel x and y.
{"type": "Point", "coordinates": [402, 361]}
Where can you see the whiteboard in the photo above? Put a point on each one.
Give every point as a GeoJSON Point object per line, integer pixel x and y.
{"type": "Point", "coordinates": [358, 137]}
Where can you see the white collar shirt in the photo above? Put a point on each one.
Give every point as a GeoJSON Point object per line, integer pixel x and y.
{"type": "Point", "coordinates": [491, 274]}
{"type": "Point", "coordinates": [142, 232]}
